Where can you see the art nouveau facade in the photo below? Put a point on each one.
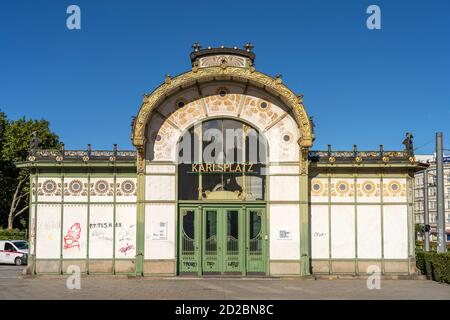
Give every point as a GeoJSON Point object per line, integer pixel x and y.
{"type": "Point", "coordinates": [276, 208]}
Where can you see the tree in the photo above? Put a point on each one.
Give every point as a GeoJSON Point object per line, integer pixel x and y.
{"type": "Point", "coordinates": [15, 137]}
{"type": "Point", "coordinates": [420, 230]}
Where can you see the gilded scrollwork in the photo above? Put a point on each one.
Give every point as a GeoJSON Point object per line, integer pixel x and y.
{"type": "Point", "coordinates": [151, 101]}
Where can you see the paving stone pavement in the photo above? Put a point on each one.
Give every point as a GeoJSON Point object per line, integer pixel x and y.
{"type": "Point", "coordinates": [13, 286]}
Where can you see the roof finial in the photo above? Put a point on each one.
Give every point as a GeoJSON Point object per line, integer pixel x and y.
{"type": "Point", "coordinates": [249, 46]}
{"type": "Point", "coordinates": [196, 46]}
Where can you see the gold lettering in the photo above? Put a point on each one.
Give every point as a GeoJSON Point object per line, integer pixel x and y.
{"type": "Point", "coordinates": [250, 168]}
{"type": "Point", "coordinates": [238, 168]}
{"type": "Point", "coordinates": [194, 167]}
{"type": "Point", "coordinates": [219, 167]}
{"type": "Point", "coordinates": [225, 167]}
{"type": "Point", "coordinates": [201, 168]}
{"type": "Point", "coordinates": [208, 167]}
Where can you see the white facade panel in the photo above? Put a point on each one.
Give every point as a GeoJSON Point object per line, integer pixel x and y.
{"type": "Point", "coordinates": [32, 237]}
{"type": "Point", "coordinates": [292, 169]}
{"type": "Point", "coordinates": [320, 244]}
{"type": "Point", "coordinates": [75, 231]}
{"type": "Point", "coordinates": [369, 231]}
{"type": "Point", "coordinates": [284, 232]}
{"type": "Point", "coordinates": [160, 231]}
{"type": "Point", "coordinates": [101, 231]}
{"type": "Point", "coordinates": [284, 188]}
{"type": "Point", "coordinates": [48, 231]}
{"type": "Point", "coordinates": [395, 231]}
{"type": "Point", "coordinates": [343, 231]}
{"type": "Point", "coordinates": [125, 231]}
{"type": "Point", "coordinates": [160, 187]}
{"type": "Point", "coordinates": [160, 168]}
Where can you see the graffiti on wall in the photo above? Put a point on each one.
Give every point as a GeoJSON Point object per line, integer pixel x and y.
{"type": "Point", "coordinates": [126, 233]}
{"type": "Point", "coordinates": [126, 248]}
{"type": "Point", "coordinates": [71, 239]}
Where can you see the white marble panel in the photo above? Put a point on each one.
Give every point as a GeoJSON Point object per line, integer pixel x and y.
{"type": "Point", "coordinates": [395, 231]}
{"type": "Point", "coordinates": [369, 231]}
{"type": "Point", "coordinates": [320, 244]}
{"type": "Point", "coordinates": [160, 231]}
{"type": "Point", "coordinates": [160, 187]}
{"type": "Point", "coordinates": [284, 232]}
{"type": "Point", "coordinates": [343, 231]}
{"type": "Point", "coordinates": [48, 231]}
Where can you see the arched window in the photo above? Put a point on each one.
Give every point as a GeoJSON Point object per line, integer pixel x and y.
{"type": "Point", "coordinates": [222, 159]}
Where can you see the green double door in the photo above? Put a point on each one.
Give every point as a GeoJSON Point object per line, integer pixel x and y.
{"type": "Point", "coordinates": [222, 240]}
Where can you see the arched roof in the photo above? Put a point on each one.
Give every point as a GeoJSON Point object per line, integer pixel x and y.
{"type": "Point", "coordinates": [224, 72]}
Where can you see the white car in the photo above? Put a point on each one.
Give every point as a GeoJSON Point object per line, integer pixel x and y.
{"type": "Point", "coordinates": [14, 251]}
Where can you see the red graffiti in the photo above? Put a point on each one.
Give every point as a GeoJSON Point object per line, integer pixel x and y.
{"type": "Point", "coordinates": [72, 236]}
{"type": "Point", "coordinates": [127, 248]}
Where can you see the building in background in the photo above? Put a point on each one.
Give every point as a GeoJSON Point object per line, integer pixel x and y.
{"type": "Point", "coordinates": [419, 190]}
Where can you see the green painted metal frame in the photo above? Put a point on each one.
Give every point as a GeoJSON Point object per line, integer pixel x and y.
{"type": "Point", "coordinates": [243, 233]}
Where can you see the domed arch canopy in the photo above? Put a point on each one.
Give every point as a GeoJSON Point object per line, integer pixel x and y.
{"type": "Point", "coordinates": [243, 75]}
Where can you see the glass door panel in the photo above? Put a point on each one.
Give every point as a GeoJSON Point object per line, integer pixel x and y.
{"type": "Point", "coordinates": [232, 241]}
{"type": "Point", "coordinates": [255, 240]}
{"type": "Point", "coordinates": [211, 257]}
{"type": "Point", "coordinates": [188, 244]}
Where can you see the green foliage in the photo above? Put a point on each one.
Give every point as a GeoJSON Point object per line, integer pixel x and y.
{"type": "Point", "coordinates": [433, 245]}
{"type": "Point", "coordinates": [419, 230]}
{"type": "Point", "coordinates": [15, 137]}
{"type": "Point", "coordinates": [14, 234]}
{"type": "Point", "coordinates": [435, 266]}
{"type": "Point", "coordinates": [420, 261]}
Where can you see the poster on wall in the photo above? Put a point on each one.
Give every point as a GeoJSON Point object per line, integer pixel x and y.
{"type": "Point", "coordinates": [48, 231]}
{"type": "Point", "coordinates": [159, 230]}
{"type": "Point", "coordinates": [284, 234]}
{"type": "Point", "coordinates": [101, 232]}
{"type": "Point", "coordinates": [284, 226]}
{"type": "Point", "coordinates": [125, 232]}
{"type": "Point", "coordinates": [74, 241]}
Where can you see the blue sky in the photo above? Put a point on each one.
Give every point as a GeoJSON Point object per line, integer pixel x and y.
{"type": "Point", "coordinates": [364, 87]}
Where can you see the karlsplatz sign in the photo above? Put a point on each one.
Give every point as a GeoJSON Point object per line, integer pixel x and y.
{"type": "Point", "coordinates": [223, 168]}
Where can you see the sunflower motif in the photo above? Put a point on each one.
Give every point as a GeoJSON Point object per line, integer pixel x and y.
{"type": "Point", "coordinates": [127, 186]}
{"type": "Point", "coordinates": [316, 187]}
{"type": "Point", "coordinates": [394, 187]}
{"type": "Point", "coordinates": [101, 186]}
{"type": "Point", "coordinates": [75, 187]}
{"type": "Point", "coordinates": [342, 187]}
{"type": "Point", "coordinates": [49, 186]}
{"type": "Point", "coordinates": [368, 187]}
